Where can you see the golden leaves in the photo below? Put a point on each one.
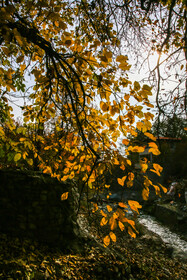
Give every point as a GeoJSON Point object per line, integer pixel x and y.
{"type": "Point", "coordinates": [157, 169]}
{"type": "Point", "coordinates": [134, 205]}
{"type": "Point", "coordinates": [122, 205]}
{"type": "Point", "coordinates": [103, 213]}
{"type": "Point", "coordinates": [104, 106]}
{"type": "Point", "coordinates": [64, 196]}
{"type": "Point", "coordinates": [106, 240]}
{"type": "Point", "coordinates": [47, 170]}
{"type": "Point", "coordinates": [112, 222]}
{"type": "Point", "coordinates": [151, 136]}
{"type": "Point", "coordinates": [163, 188]}
{"type": "Point", "coordinates": [145, 193]}
{"type": "Point", "coordinates": [125, 142]}
{"type": "Point", "coordinates": [122, 59]}
{"type": "Point", "coordinates": [154, 149]}
{"type": "Point", "coordinates": [121, 181]}
{"type": "Point", "coordinates": [136, 149]}
{"type": "Point", "coordinates": [109, 208]}
{"type": "Point", "coordinates": [136, 85]}
{"type": "Point", "coordinates": [112, 236]}
{"type": "Point", "coordinates": [104, 221]}
{"type": "Point", "coordinates": [131, 232]}
{"type": "Point", "coordinates": [95, 208]}
{"type": "Point", "coordinates": [17, 157]}
{"type": "Point", "coordinates": [121, 225]}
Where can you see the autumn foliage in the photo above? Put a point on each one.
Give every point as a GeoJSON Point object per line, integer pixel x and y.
{"type": "Point", "coordinates": [80, 103]}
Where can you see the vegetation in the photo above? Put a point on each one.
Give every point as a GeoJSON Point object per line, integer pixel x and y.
{"type": "Point", "coordinates": [80, 101]}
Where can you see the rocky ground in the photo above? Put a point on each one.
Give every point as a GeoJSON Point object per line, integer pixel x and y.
{"type": "Point", "coordinates": [145, 257]}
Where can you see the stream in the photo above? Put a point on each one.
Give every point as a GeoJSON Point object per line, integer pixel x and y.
{"type": "Point", "coordinates": [168, 237]}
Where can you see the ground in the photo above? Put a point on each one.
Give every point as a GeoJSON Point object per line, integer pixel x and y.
{"type": "Point", "coordinates": [145, 257]}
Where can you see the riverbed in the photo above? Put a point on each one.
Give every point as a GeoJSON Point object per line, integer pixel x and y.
{"type": "Point", "coordinates": [170, 238]}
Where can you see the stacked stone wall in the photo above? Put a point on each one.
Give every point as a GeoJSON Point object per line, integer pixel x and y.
{"type": "Point", "coordinates": [31, 207]}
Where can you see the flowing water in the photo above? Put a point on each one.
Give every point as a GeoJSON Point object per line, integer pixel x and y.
{"type": "Point", "coordinates": [167, 236]}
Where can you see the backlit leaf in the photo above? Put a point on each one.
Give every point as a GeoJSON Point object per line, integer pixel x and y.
{"type": "Point", "coordinates": [104, 221]}
{"type": "Point", "coordinates": [106, 240]}
{"type": "Point", "coordinates": [17, 157]}
{"type": "Point", "coordinates": [134, 205]}
{"type": "Point", "coordinates": [112, 223]}
{"type": "Point", "coordinates": [121, 225]}
{"type": "Point", "coordinates": [163, 188]}
{"type": "Point", "coordinates": [131, 232]}
{"type": "Point", "coordinates": [123, 205]}
{"type": "Point", "coordinates": [112, 236]}
{"type": "Point", "coordinates": [121, 181]}
{"type": "Point", "coordinates": [145, 193]}
{"type": "Point", "coordinates": [64, 196]}
{"type": "Point", "coordinates": [109, 208]}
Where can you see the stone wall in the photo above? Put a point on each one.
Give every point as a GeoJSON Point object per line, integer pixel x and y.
{"type": "Point", "coordinates": [31, 207]}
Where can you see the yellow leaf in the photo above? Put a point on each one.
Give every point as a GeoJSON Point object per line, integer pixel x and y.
{"type": "Point", "coordinates": [154, 151]}
{"type": "Point", "coordinates": [153, 145]}
{"type": "Point", "coordinates": [136, 85]}
{"type": "Point", "coordinates": [121, 225]}
{"type": "Point", "coordinates": [103, 214]}
{"type": "Point", "coordinates": [30, 161]}
{"type": "Point", "coordinates": [145, 193]}
{"type": "Point", "coordinates": [17, 157]}
{"type": "Point", "coordinates": [104, 106]}
{"type": "Point", "coordinates": [112, 236]}
{"type": "Point", "coordinates": [56, 23]}
{"type": "Point", "coordinates": [121, 181]}
{"type": "Point", "coordinates": [64, 178]}
{"type": "Point", "coordinates": [131, 232]}
{"type": "Point", "coordinates": [128, 162]}
{"type": "Point", "coordinates": [64, 196]}
{"type": "Point", "coordinates": [157, 189]}
{"type": "Point", "coordinates": [125, 142]}
{"type": "Point", "coordinates": [124, 66]}
{"type": "Point", "coordinates": [122, 167]}
{"type": "Point", "coordinates": [157, 167]}
{"type": "Point", "coordinates": [116, 162]}
{"type": "Point", "coordinates": [136, 149]}
{"type": "Point", "coordinates": [24, 155]}
{"type": "Point", "coordinates": [144, 167]}
{"type": "Point", "coordinates": [163, 188]}
{"type": "Point", "coordinates": [104, 221]}
{"type": "Point", "coordinates": [185, 128]}
{"type": "Point", "coordinates": [107, 186]}
{"type": "Point", "coordinates": [131, 176]}
{"type": "Point", "coordinates": [151, 136]}
{"type": "Point", "coordinates": [106, 240]}
{"type": "Point", "coordinates": [22, 67]}
{"type": "Point", "coordinates": [109, 208]}
{"type": "Point", "coordinates": [112, 223]}
{"type": "Point", "coordinates": [130, 222]}
{"type": "Point", "coordinates": [134, 205]}
{"type": "Point", "coordinates": [116, 215]}
{"type": "Point", "coordinates": [95, 207]}
{"type": "Point", "coordinates": [123, 205]}
{"type": "Point", "coordinates": [121, 58]}
{"type": "Point", "coordinates": [47, 170]}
